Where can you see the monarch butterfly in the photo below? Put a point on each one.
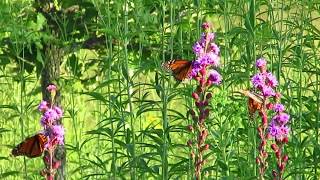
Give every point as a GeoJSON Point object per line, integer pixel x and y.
{"type": "Point", "coordinates": [31, 147]}
{"type": "Point", "coordinates": [255, 101]}
{"type": "Point", "coordinates": [180, 68]}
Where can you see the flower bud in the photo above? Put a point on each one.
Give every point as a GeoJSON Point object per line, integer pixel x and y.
{"type": "Point", "coordinates": [189, 143]}
{"type": "Point", "coordinates": [206, 147]}
{"type": "Point", "coordinates": [190, 128]}
{"type": "Point", "coordinates": [269, 106]}
{"type": "Point", "coordinates": [265, 154]}
{"type": "Point", "coordinates": [56, 164]}
{"type": "Point", "coordinates": [203, 71]}
{"type": "Point", "coordinates": [268, 136]}
{"type": "Point", "coordinates": [258, 160]}
{"type": "Point", "coordinates": [195, 96]}
{"type": "Point", "coordinates": [274, 147]}
{"type": "Point", "coordinates": [46, 159]}
{"type": "Point", "coordinates": [274, 173]}
{"type": "Point", "coordinates": [209, 96]}
{"type": "Point", "coordinates": [205, 103]}
{"type": "Point", "coordinates": [281, 167]}
{"type": "Point", "coordinates": [277, 96]}
{"type": "Point", "coordinates": [204, 133]}
{"type": "Point", "coordinates": [263, 143]}
{"type": "Point", "coordinates": [205, 26]}
{"type": "Point", "coordinates": [278, 154]}
{"type": "Point", "coordinates": [198, 104]}
{"type": "Point", "coordinates": [285, 140]}
{"type": "Point", "coordinates": [265, 120]}
{"type": "Point", "coordinates": [285, 158]}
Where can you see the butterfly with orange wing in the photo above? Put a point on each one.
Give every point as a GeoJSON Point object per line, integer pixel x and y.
{"type": "Point", "coordinates": [31, 147]}
{"type": "Point", "coordinates": [180, 68]}
{"type": "Point", "coordinates": [255, 102]}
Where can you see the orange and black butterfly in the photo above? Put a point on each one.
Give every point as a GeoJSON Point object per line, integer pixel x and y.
{"type": "Point", "coordinates": [255, 102]}
{"type": "Point", "coordinates": [31, 147]}
{"type": "Point", "coordinates": [180, 68]}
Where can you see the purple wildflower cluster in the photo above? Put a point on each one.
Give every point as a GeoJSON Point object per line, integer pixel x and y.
{"type": "Point", "coordinates": [278, 127]}
{"type": "Point", "coordinates": [207, 54]}
{"type": "Point", "coordinates": [265, 83]}
{"type": "Point", "coordinates": [54, 131]}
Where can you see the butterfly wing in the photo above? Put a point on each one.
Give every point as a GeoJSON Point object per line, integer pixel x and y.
{"type": "Point", "coordinates": [31, 146]}
{"type": "Point", "coordinates": [255, 102]}
{"type": "Point", "coordinates": [180, 68]}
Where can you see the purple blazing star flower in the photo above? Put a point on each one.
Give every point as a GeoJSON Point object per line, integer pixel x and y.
{"type": "Point", "coordinates": [273, 130]}
{"type": "Point", "coordinates": [206, 38]}
{"type": "Point", "coordinates": [51, 115]}
{"type": "Point", "coordinates": [213, 59]}
{"type": "Point", "coordinates": [43, 106]}
{"type": "Point", "coordinates": [271, 80]}
{"type": "Point", "coordinates": [58, 111]}
{"type": "Point", "coordinates": [44, 121]}
{"type": "Point", "coordinates": [214, 48]}
{"type": "Point", "coordinates": [284, 130]}
{"type": "Point", "coordinates": [196, 67]}
{"type": "Point", "coordinates": [197, 49]}
{"type": "Point", "coordinates": [58, 133]}
{"type": "Point", "coordinates": [205, 26]}
{"type": "Point", "coordinates": [214, 77]}
{"type": "Point", "coordinates": [267, 91]}
{"type": "Point", "coordinates": [278, 107]}
{"type": "Point", "coordinates": [258, 80]}
{"type": "Point", "coordinates": [261, 63]}
{"type": "Point", "coordinates": [52, 88]}
{"type": "Point", "coordinates": [210, 36]}
{"type": "Point", "coordinates": [281, 118]}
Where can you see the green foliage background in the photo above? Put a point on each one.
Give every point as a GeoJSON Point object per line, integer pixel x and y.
{"type": "Point", "coordinates": [124, 117]}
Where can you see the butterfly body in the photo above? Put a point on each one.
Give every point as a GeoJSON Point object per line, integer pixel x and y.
{"type": "Point", "coordinates": [180, 68]}
{"type": "Point", "coordinates": [31, 147]}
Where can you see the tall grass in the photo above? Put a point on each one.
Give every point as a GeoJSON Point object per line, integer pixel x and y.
{"type": "Point", "coordinates": [125, 118]}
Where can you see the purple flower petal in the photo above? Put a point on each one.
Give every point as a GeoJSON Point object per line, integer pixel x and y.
{"type": "Point", "coordinates": [267, 91]}
{"type": "Point", "coordinates": [271, 80]}
{"type": "Point", "coordinates": [258, 80]}
{"type": "Point", "coordinates": [197, 49]}
{"type": "Point", "coordinates": [214, 48]}
{"type": "Point", "coordinates": [278, 107]}
{"type": "Point", "coordinates": [51, 88]}
{"type": "Point", "coordinates": [43, 106]}
{"type": "Point", "coordinates": [261, 62]}
{"type": "Point", "coordinates": [214, 77]}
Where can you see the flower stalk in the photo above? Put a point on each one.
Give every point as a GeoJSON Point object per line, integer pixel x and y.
{"type": "Point", "coordinates": [207, 54]}
{"type": "Point", "coordinates": [264, 84]}
{"type": "Point", "coordinates": [54, 132]}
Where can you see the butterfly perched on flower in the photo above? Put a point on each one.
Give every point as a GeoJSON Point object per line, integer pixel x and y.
{"type": "Point", "coordinates": [179, 68]}
{"type": "Point", "coordinates": [255, 101]}
{"type": "Point", "coordinates": [31, 147]}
